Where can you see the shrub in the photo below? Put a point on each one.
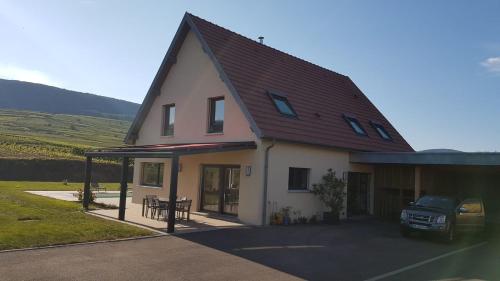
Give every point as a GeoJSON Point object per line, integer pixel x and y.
{"type": "Point", "coordinates": [331, 192]}
{"type": "Point", "coordinates": [80, 196]}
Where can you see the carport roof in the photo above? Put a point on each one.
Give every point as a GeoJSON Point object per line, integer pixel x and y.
{"type": "Point", "coordinates": [170, 150]}
{"type": "Point", "coordinates": [428, 158]}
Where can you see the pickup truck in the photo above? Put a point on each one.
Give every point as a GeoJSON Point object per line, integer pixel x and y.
{"type": "Point", "coordinates": [443, 216]}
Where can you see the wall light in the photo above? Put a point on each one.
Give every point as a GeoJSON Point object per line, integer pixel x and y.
{"type": "Point", "coordinates": [248, 170]}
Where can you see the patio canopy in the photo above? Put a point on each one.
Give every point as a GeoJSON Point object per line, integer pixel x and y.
{"type": "Point", "coordinates": [170, 150]}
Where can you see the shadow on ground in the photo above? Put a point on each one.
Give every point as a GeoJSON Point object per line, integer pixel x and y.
{"type": "Point", "coordinates": [355, 250]}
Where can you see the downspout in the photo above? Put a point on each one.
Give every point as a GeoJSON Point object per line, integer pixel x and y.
{"type": "Point", "coordinates": [266, 173]}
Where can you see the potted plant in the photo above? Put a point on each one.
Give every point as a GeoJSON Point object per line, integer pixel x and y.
{"type": "Point", "coordinates": [331, 192]}
{"type": "Point", "coordinates": [285, 211]}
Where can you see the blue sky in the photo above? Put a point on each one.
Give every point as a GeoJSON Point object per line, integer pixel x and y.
{"type": "Point", "coordinates": [432, 67]}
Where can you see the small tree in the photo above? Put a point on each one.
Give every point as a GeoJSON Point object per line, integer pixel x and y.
{"type": "Point", "coordinates": [331, 192]}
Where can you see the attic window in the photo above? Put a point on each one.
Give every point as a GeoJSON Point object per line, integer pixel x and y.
{"type": "Point", "coordinates": [216, 115]}
{"type": "Point", "coordinates": [282, 105]}
{"type": "Point", "coordinates": [381, 131]}
{"type": "Point", "coordinates": [355, 125]}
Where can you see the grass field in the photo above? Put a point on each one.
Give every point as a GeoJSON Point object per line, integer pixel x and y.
{"type": "Point", "coordinates": [25, 134]}
{"type": "Point", "coordinates": [28, 220]}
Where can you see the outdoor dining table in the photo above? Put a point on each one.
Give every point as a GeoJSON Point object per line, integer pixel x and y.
{"type": "Point", "coordinates": [165, 201]}
{"type": "Point", "coordinates": [161, 200]}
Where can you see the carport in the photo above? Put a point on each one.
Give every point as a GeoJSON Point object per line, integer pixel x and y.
{"type": "Point", "coordinates": [404, 176]}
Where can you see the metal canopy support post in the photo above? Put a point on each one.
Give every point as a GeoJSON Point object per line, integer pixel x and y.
{"type": "Point", "coordinates": [86, 187]}
{"type": "Point", "coordinates": [123, 189]}
{"type": "Point", "coordinates": [173, 193]}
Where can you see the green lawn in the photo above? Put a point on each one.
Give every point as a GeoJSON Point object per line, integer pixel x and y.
{"type": "Point", "coordinates": [28, 220]}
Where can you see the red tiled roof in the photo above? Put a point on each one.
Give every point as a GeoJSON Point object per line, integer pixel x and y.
{"type": "Point", "coordinates": [254, 69]}
{"type": "Point", "coordinates": [319, 96]}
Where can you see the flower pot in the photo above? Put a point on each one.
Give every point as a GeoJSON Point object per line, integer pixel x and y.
{"type": "Point", "coordinates": [331, 218]}
{"type": "Point", "coordinates": [279, 219]}
{"type": "Point", "coordinates": [286, 220]}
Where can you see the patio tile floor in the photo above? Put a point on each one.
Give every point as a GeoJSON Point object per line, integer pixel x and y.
{"type": "Point", "coordinates": [198, 221]}
{"type": "Point", "coordinates": [133, 214]}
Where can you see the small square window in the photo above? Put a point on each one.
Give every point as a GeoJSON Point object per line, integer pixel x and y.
{"type": "Point", "coordinates": [381, 131]}
{"type": "Point", "coordinates": [168, 120]}
{"type": "Point", "coordinates": [355, 125]}
{"type": "Point", "coordinates": [282, 105]}
{"type": "Point", "coordinates": [298, 178]}
{"type": "Point", "coordinates": [152, 174]}
{"type": "Point", "coordinates": [216, 115]}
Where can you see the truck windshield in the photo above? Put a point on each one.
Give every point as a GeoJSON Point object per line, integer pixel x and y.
{"type": "Point", "coordinates": [436, 202]}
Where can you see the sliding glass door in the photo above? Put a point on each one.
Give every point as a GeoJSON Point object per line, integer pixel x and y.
{"type": "Point", "coordinates": [220, 189]}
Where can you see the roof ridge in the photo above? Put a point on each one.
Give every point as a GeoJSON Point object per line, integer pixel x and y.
{"type": "Point", "coordinates": [267, 46]}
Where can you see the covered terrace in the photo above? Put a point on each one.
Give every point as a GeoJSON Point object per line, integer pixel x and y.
{"type": "Point", "coordinates": [167, 151]}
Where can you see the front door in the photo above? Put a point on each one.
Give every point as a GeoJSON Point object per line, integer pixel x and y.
{"type": "Point", "coordinates": [358, 188]}
{"type": "Point", "coordinates": [220, 189]}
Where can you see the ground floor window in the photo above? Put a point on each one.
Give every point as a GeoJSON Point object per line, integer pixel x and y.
{"type": "Point", "coordinates": [152, 174]}
{"type": "Point", "coordinates": [298, 178]}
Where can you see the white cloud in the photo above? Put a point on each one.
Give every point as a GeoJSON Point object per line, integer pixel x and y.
{"type": "Point", "coordinates": [492, 64]}
{"type": "Point", "coordinates": [29, 75]}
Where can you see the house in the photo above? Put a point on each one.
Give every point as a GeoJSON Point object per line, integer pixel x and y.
{"type": "Point", "coordinates": [244, 129]}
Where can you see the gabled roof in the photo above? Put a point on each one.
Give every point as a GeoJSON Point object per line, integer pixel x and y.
{"type": "Point", "coordinates": [320, 97]}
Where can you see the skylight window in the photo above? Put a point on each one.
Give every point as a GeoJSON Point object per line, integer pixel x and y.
{"type": "Point", "coordinates": [381, 131]}
{"type": "Point", "coordinates": [282, 105]}
{"type": "Point", "coordinates": [355, 125]}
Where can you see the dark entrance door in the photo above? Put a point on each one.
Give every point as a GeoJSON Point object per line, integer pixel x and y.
{"type": "Point", "coordinates": [358, 194]}
{"type": "Point", "coordinates": [220, 188]}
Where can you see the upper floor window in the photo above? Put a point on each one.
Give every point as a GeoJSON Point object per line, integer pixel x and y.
{"type": "Point", "coordinates": [355, 125]}
{"type": "Point", "coordinates": [168, 120]}
{"type": "Point", "coordinates": [216, 115]}
{"type": "Point", "coordinates": [381, 131]}
{"type": "Point", "coordinates": [298, 178]}
{"type": "Point", "coordinates": [282, 105]}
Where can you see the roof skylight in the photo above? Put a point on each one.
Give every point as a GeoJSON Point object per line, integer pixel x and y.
{"type": "Point", "coordinates": [355, 125]}
{"type": "Point", "coordinates": [381, 131]}
{"type": "Point", "coordinates": [282, 105]}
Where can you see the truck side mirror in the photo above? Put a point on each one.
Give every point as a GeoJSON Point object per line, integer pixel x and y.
{"type": "Point", "coordinates": [463, 210]}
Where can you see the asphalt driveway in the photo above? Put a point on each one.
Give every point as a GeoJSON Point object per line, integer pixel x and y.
{"type": "Point", "coordinates": [351, 251]}
{"type": "Point", "coordinates": [357, 250]}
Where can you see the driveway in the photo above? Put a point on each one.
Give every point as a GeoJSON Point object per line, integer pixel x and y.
{"type": "Point", "coordinates": [350, 251]}
{"type": "Point", "coordinates": [357, 250]}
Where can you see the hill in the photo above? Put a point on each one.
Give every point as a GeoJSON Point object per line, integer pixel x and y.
{"type": "Point", "coordinates": [28, 135]}
{"type": "Point", "coordinates": [20, 95]}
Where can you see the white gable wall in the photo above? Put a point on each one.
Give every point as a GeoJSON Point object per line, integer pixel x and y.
{"type": "Point", "coordinates": [189, 84]}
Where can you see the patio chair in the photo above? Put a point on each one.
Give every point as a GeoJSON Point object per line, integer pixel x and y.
{"type": "Point", "coordinates": [182, 207]}
{"type": "Point", "coordinates": [94, 186]}
{"type": "Point", "coordinates": [160, 208]}
{"type": "Point", "coordinates": [149, 203]}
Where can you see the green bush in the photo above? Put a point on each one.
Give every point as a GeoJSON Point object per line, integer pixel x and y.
{"type": "Point", "coordinates": [331, 191]}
